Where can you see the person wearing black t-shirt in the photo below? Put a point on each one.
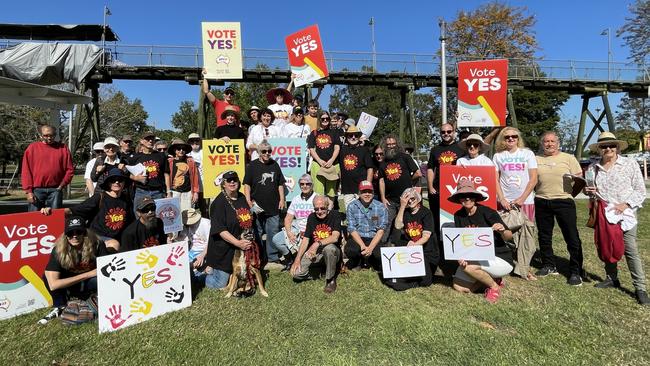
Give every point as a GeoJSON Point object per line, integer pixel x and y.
{"type": "Point", "coordinates": [472, 275]}
{"type": "Point", "coordinates": [320, 244]}
{"type": "Point", "coordinates": [397, 172]}
{"type": "Point", "coordinates": [446, 153]}
{"type": "Point", "coordinates": [184, 174]}
{"type": "Point", "coordinates": [264, 191]}
{"type": "Point", "coordinates": [356, 165]}
{"type": "Point", "coordinates": [231, 130]}
{"type": "Point", "coordinates": [230, 229]}
{"type": "Point", "coordinates": [147, 231]}
{"type": "Point", "coordinates": [155, 181]}
{"type": "Point", "coordinates": [324, 146]}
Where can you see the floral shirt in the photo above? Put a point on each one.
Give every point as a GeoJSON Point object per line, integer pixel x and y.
{"type": "Point", "coordinates": [623, 183]}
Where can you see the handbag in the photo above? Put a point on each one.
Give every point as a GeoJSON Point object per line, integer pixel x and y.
{"type": "Point", "coordinates": [514, 219]}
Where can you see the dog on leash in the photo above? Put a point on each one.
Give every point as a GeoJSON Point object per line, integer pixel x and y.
{"type": "Point", "coordinates": [246, 275]}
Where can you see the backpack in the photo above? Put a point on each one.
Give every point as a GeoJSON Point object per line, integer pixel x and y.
{"type": "Point", "coordinates": [80, 311]}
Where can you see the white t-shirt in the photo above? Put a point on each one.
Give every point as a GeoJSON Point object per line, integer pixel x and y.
{"type": "Point", "coordinates": [199, 236]}
{"type": "Point", "coordinates": [293, 130]}
{"type": "Point", "coordinates": [301, 209]}
{"type": "Point", "coordinates": [513, 169]}
{"type": "Point", "coordinates": [260, 133]}
{"type": "Point", "coordinates": [198, 158]}
{"type": "Point", "coordinates": [281, 112]}
{"type": "Point", "coordinates": [480, 160]}
{"type": "Point", "coordinates": [89, 169]}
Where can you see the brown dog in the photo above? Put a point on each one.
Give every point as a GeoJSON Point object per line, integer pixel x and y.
{"type": "Point", "coordinates": [241, 282]}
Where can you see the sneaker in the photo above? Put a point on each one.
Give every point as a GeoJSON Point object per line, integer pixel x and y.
{"type": "Point", "coordinates": [642, 298]}
{"type": "Point", "coordinates": [55, 313]}
{"type": "Point", "coordinates": [608, 283]}
{"type": "Point", "coordinates": [492, 295]}
{"type": "Point", "coordinates": [545, 271]}
{"type": "Point", "coordinates": [575, 280]}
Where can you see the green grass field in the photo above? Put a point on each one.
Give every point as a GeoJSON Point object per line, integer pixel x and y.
{"type": "Point", "coordinates": [365, 323]}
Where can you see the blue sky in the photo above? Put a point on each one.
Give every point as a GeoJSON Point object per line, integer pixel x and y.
{"type": "Point", "coordinates": [565, 30]}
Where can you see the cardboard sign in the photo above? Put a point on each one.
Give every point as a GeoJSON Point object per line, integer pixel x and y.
{"type": "Point", "coordinates": [306, 56]}
{"type": "Point", "coordinates": [366, 124]}
{"type": "Point", "coordinates": [290, 154]}
{"type": "Point", "coordinates": [482, 93]}
{"type": "Point", "coordinates": [169, 211]}
{"type": "Point", "coordinates": [476, 243]}
{"type": "Point", "coordinates": [139, 285]}
{"type": "Point", "coordinates": [222, 50]}
{"type": "Point", "coordinates": [26, 241]}
{"type": "Point", "coordinates": [399, 262]}
{"type": "Point", "coordinates": [219, 157]}
{"type": "Point", "coordinates": [485, 181]}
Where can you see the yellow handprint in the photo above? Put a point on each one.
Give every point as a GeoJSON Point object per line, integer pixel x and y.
{"type": "Point", "coordinates": [146, 258]}
{"type": "Point", "coordinates": [141, 306]}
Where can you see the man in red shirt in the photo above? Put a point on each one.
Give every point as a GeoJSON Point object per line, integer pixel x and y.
{"type": "Point", "coordinates": [218, 104]}
{"type": "Point", "coordinates": [46, 169]}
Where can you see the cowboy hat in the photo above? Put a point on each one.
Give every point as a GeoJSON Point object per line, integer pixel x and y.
{"type": "Point", "coordinates": [466, 188]}
{"type": "Point", "coordinates": [230, 111]}
{"type": "Point", "coordinates": [352, 129]}
{"type": "Point", "coordinates": [270, 95]}
{"type": "Point", "coordinates": [178, 143]}
{"type": "Point", "coordinates": [608, 138]}
{"type": "Point", "coordinates": [474, 137]}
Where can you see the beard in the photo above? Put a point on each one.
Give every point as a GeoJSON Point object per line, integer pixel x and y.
{"type": "Point", "coordinates": [150, 222]}
{"type": "Point", "coordinates": [391, 153]}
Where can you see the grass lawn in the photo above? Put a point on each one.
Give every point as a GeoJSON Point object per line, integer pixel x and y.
{"type": "Point", "coordinates": [365, 323]}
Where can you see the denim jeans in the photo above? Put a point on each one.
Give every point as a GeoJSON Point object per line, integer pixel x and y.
{"type": "Point", "coordinates": [46, 197]}
{"type": "Point", "coordinates": [269, 225]}
{"type": "Point", "coordinates": [81, 290]}
{"type": "Point", "coordinates": [280, 240]}
{"type": "Point", "coordinates": [139, 192]}
{"type": "Point", "coordinates": [216, 279]}
{"type": "Point", "coordinates": [564, 210]}
{"type": "Point", "coordinates": [633, 261]}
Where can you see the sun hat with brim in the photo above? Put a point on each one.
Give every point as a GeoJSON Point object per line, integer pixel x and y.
{"type": "Point", "coordinates": [608, 138]}
{"type": "Point", "coordinates": [75, 223]}
{"type": "Point", "coordinates": [191, 216]}
{"type": "Point", "coordinates": [253, 108]}
{"type": "Point", "coordinates": [328, 173]}
{"type": "Point", "coordinates": [178, 143]}
{"type": "Point", "coordinates": [230, 111]}
{"type": "Point", "coordinates": [193, 136]}
{"type": "Point", "coordinates": [111, 141]}
{"type": "Point", "coordinates": [352, 129]}
{"type": "Point", "coordinates": [148, 134]}
{"type": "Point", "coordinates": [474, 137]}
{"type": "Point", "coordinates": [466, 188]}
{"type": "Point", "coordinates": [270, 95]}
{"type": "Point", "coordinates": [350, 122]}
{"type": "Point", "coordinates": [112, 176]}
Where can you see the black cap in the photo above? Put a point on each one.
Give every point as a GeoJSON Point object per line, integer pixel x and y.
{"type": "Point", "coordinates": [230, 174]}
{"type": "Point", "coordinates": [144, 201]}
{"type": "Point", "coordinates": [298, 110]}
{"type": "Point", "coordinates": [114, 172]}
{"type": "Point", "coordinates": [75, 223]}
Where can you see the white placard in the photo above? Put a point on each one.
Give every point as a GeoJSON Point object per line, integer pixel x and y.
{"type": "Point", "coordinates": [476, 243]}
{"type": "Point", "coordinates": [137, 169]}
{"type": "Point", "coordinates": [141, 284]}
{"type": "Point", "coordinates": [398, 262]}
{"type": "Point", "coordinates": [366, 124]}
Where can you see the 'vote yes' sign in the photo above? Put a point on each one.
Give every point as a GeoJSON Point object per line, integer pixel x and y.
{"type": "Point", "coordinates": [306, 55]}
{"type": "Point", "coordinates": [482, 93]}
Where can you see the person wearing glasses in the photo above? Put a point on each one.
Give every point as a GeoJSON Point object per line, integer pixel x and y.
{"type": "Point", "coordinates": [161, 146]}
{"type": "Point", "coordinates": [324, 146]}
{"type": "Point", "coordinates": [126, 149]}
{"type": "Point", "coordinates": [262, 131]}
{"type": "Point", "coordinates": [264, 191]}
{"type": "Point", "coordinates": [320, 244]}
{"type": "Point", "coordinates": [110, 160]}
{"type": "Point", "coordinates": [377, 159]}
{"type": "Point", "coordinates": [475, 150]}
{"type": "Point", "coordinates": [356, 165]}
{"type": "Point", "coordinates": [618, 185]}
{"type": "Point", "coordinates": [147, 230]}
{"type": "Point", "coordinates": [154, 181]}
{"type": "Point", "coordinates": [218, 104]}
{"type": "Point", "coordinates": [367, 222]}
{"type": "Point", "coordinates": [46, 169]}
{"type": "Point", "coordinates": [554, 201]}
{"type": "Point", "coordinates": [296, 126]}
{"type": "Point", "coordinates": [98, 152]}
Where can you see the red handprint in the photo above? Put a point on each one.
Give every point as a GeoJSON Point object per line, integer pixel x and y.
{"type": "Point", "coordinates": [175, 253]}
{"type": "Point", "coordinates": [115, 316]}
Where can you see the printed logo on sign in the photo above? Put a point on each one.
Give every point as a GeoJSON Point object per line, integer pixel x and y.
{"type": "Point", "coordinates": [168, 214]}
{"type": "Point", "coordinates": [223, 59]}
{"type": "Point", "coordinates": [393, 171]}
{"type": "Point", "coordinates": [5, 304]}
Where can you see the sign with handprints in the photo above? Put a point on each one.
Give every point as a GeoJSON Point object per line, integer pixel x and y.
{"type": "Point", "coordinates": [141, 284]}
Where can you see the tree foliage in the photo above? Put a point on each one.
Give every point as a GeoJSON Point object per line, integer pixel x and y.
{"type": "Point", "coordinates": [120, 115]}
{"type": "Point", "coordinates": [186, 119]}
{"type": "Point", "coordinates": [636, 32]}
{"type": "Point", "coordinates": [537, 112]}
{"type": "Point", "coordinates": [633, 113]}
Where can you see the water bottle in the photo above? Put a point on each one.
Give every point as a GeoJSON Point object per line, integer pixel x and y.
{"type": "Point", "coordinates": [589, 177]}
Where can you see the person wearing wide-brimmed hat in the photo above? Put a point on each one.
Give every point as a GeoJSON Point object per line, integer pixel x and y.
{"type": "Point", "coordinates": [617, 186]}
{"type": "Point", "coordinates": [231, 130]}
{"type": "Point", "coordinates": [475, 150]}
{"type": "Point", "coordinates": [218, 104]}
{"type": "Point", "coordinates": [265, 130]}
{"type": "Point", "coordinates": [196, 230]}
{"type": "Point", "coordinates": [355, 164]}
{"type": "Point", "coordinates": [111, 159]}
{"type": "Point", "coordinates": [184, 174]}
{"type": "Point", "coordinates": [280, 103]}
{"type": "Point", "coordinates": [471, 275]}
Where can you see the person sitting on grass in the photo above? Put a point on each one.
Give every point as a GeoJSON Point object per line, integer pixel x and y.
{"type": "Point", "coordinates": [147, 231]}
{"type": "Point", "coordinates": [473, 276]}
{"type": "Point", "coordinates": [72, 269]}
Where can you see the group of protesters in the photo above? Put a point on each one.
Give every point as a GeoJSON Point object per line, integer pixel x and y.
{"type": "Point", "coordinates": [354, 199]}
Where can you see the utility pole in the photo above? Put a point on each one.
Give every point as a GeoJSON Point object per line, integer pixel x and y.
{"type": "Point", "coordinates": [607, 32]}
{"type": "Point", "coordinates": [374, 50]}
{"type": "Point", "coordinates": [107, 12]}
{"type": "Point", "coordinates": [443, 69]}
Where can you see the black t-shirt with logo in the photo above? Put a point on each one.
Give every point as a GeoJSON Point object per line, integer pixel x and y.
{"type": "Point", "coordinates": [138, 236]}
{"type": "Point", "coordinates": [55, 266]}
{"type": "Point", "coordinates": [230, 131]}
{"type": "Point", "coordinates": [485, 217]}
{"type": "Point", "coordinates": [323, 142]}
{"type": "Point", "coordinates": [354, 163]}
{"type": "Point", "coordinates": [235, 219]}
{"type": "Point", "coordinates": [397, 174]}
{"type": "Point", "coordinates": [415, 225]}
{"type": "Point", "coordinates": [264, 180]}
{"type": "Point", "coordinates": [318, 229]}
{"type": "Point", "coordinates": [156, 166]}
{"type": "Point", "coordinates": [180, 176]}
{"type": "Point", "coordinates": [108, 216]}
{"type": "Point", "coordinates": [443, 155]}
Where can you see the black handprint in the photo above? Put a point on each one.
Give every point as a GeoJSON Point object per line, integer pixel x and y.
{"type": "Point", "coordinates": [174, 296]}
{"type": "Point", "coordinates": [116, 264]}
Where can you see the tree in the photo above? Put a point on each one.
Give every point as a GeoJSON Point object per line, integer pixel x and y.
{"type": "Point", "coordinates": [537, 112]}
{"type": "Point", "coordinates": [633, 113]}
{"type": "Point", "coordinates": [120, 115]}
{"type": "Point", "coordinates": [567, 130]}
{"type": "Point", "coordinates": [632, 138]}
{"type": "Point", "coordinates": [636, 32]}
{"type": "Point", "coordinates": [186, 119]}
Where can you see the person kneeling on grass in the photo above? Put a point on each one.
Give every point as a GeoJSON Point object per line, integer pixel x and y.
{"type": "Point", "coordinates": [72, 269]}
{"type": "Point", "coordinates": [474, 275]}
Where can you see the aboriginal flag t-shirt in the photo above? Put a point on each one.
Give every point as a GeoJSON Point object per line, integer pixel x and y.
{"type": "Point", "coordinates": [318, 229]}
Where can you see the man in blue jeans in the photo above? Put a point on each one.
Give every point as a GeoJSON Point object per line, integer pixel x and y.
{"type": "Point", "coordinates": [155, 181]}
{"type": "Point", "coordinates": [46, 169]}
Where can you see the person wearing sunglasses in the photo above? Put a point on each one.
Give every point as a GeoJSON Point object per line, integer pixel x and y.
{"type": "Point", "coordinates": [111, 160]}
{"type": "Point", "coordinates": [615, 182]}
{"type": "Point", "coordinates": [356, 166]}
{"type": "Point", "coordinates": [324, 146]}
{"type": "Point", "coordinates": [218, 104]}
{"type": "Point", "coordinates": [554, 201]}
{"type": "Point", "coordinates": [71, 271]}
{"type": "Point", "coordinates": [126, 149]}
{"type": "Point", "coordinates": [98, 152]}
{"type": "Point", "coordinates": [296, 126]}
{"type": "Point", "coordinates": [264, 191]}
{"type": "Point", "coordinates": [155, 180]}
{"type": "Point", "coordinates": [377, 159]}
{"type": "Point", "coordinates": [265, 130]}
{"type": "Point", "coordinates": [46, 169]}
{"type": "Point", "coordinates": [147, 230]}
{"type": "Point", "coordinates": [320, 244]}
{"type": "Point", "coordinates": [474, 149]}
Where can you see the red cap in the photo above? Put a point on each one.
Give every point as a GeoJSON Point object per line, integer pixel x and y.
{"type": "Point", "coordinates": [365, 186]}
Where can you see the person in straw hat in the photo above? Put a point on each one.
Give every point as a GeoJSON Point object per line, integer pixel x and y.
{"type": "Point", "coordinates": [475, 150]}
{"type": "Point", "coordinates": [474, 275]}
{"type": "Point", "coordinates": [618, 184]}
{"type": "Point", "coordinates": [184, 174]}
{"type": "Point", "coordinates": [231, 130]}
{"type": "Point", "coordinates": [196, 230]}
{"type": "Point", "coordinates": [356, 165]}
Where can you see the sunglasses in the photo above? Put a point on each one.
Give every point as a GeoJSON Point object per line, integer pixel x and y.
{"type": "Point", "coordinates": [411, 200]}
{"type": "Point", "coordinates": [325, 119]}
{"type": "Point", "coordinates": [229, 92]}
{"type": "Point", "coordinates": [305, 184]}
{"type": "Point", "coordinates": [613, 147]}
{"type": "Point", "coordinates": [120, 181]}
{"type": "Point", "coordinates": [46, 136]}
{"type": "Point", "coordinates": [265, 151]}
{"type": "Point", "coordinates": [511, 137]}
{"type": "Point", "coordinates": [150, 138]}
{"type": "Point", "coordinates": [447, 132]}
{"type": "Point", "coordinates": [128, 142]}
{"type": "Point", "coordinates": [231, 180]}
{"type": "Point", "coordinates": [162, 149]}
{"type": "Point", "coordinates": [473, 144]}
{"type": "Point", "coordinates": [318, 209]}
{"type": "Point", "coordinates": [76, 233]}
{"type": "Point", "coordinates": [148, 209]}
{"type": "Point", "coordinates": [195, 142]}
{"type": "Point", "coordinates": [353, 135]}
{"type": "Point", "coordinates": [179, 149]}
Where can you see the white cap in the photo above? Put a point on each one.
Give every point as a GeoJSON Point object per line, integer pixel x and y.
{"type": "Point", "coordinates": [98, 146]}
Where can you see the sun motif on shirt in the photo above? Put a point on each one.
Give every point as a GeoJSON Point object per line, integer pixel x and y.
{"type": "Point", "coordinates": [350, 162]}
{"type": "Point", "coordinates": [151, 241]}
{"type": "Point", "coordinates": [245, 218]}
{"type": "Point", "coordinates": [323, 141]}
{"type": "Point", "coordinates": [414, 230]}
{"type": "Point", "coordinates": [322, 231]}
{"type": "Point", "coordinates": [114, 218]}
{"type": "Point", "coordinates": [447, 158]}
{"type": "Point", "coordinates": [152, 168]}
{"type": "Point", "coordinates": [393, 171]}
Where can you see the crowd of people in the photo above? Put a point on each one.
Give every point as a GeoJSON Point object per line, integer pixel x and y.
{"type": "Point", "coordinates": [354, 199]}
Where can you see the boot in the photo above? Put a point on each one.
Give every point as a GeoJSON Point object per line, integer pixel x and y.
{"type": "Point", "coordinates": [288, 261]}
